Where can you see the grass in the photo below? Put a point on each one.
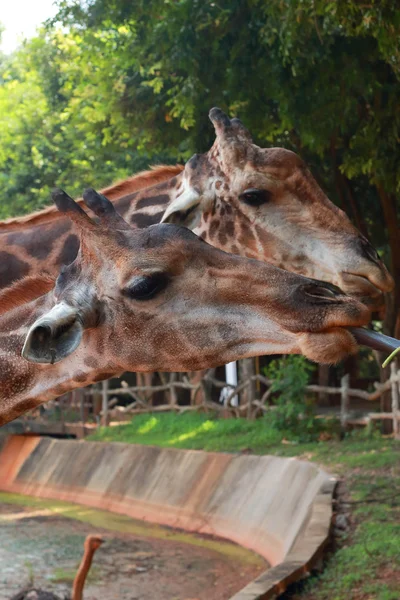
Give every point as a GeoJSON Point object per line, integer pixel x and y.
{"type": "Point", "coordinates": [68, 575]}
{"type": "Point", "coordinates": [191, 431]}
{"type": "Point", "coordinates": [366, 563]}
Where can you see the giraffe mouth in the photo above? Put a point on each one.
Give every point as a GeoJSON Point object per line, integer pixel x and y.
{"type": "Point", "coordinates": [362, 288]}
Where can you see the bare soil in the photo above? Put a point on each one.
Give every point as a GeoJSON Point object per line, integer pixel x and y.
{"type": "Point", "coordinates": [41, 549]}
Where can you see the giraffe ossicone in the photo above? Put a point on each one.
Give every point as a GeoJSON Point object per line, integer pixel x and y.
{"type": "Point", "coordinates": [160, 299]}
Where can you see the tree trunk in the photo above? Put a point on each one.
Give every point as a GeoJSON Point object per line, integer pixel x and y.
{"type": "Point", "coordinates": [388, 202]}
{"type": "Point", "coordinates": [97, 399]}
{"type": "Point", "coordinates": [391, 321]}
{"type": "Point", "coordinates": [355, 207]}
{"type": "Point", "coordinates": [345, 192]}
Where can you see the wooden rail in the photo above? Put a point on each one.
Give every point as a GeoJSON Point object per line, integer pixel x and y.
{"type": "Point", "coordinates": [140, 405]}
{"type": "Point", "coordinates": [201, 398]}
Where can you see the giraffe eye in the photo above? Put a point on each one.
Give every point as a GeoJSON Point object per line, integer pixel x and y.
{"type": "Point", "coordinates": [146, 286]}
{"type": "Point", "coordinates": [255, 197]}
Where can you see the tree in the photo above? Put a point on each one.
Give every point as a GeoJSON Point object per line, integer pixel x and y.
{"type": "Point", "coordinates": [56, 126]}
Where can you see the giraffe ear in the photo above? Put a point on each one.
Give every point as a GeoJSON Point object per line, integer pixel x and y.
{"type": "Point", "coordinates": [185, 210]}
{"type": "Point", "coordinates": [54, 336]}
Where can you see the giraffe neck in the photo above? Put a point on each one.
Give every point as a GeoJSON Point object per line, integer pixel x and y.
{"type": "Point", "coordinates": [25, 385]}
{"type": "Point", "coordinates": [147, 206]}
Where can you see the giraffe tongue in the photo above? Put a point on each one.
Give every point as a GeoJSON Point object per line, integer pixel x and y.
{"type": "Point", "coordinates": [374, 340]}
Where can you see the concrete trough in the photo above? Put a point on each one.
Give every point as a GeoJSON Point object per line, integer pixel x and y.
{"type": "Point", "coordinates": [279, 507]}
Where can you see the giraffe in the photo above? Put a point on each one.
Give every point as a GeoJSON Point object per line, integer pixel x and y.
{"type": "Point", "coordinates": [158, 298]}
{"type": "Point", "coordinates": [254, 202]}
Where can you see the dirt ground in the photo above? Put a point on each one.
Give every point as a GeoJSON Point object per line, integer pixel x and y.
{"type": "Point", "coordinates": [40, 548]}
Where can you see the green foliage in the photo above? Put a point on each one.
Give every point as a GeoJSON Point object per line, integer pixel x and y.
{"type": "Point", "coordinates": [294, 411]}
{"type": "Point", "coordinates": [290, 72]}
{"type": "Point", "coordinates": [59, 124]}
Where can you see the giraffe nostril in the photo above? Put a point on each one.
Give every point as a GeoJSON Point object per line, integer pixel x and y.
{"type": "Point", "coordinates": [54, 336]}
{"type": "Point", "coordinates": [369, 251]}
{"type": "Point", "coordinates": [323, 292]}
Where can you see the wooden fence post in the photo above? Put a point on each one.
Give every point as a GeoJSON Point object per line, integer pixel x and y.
{"type": "Point", "coordinates": [345, 400]}
{"type": "Point", "coordinates": [104, 396]}
{"type": "Point", "coordinates": [206, 386]}
{"type": "Point", "coordinates": [173, 394]}
{"type": "Point", "coordinates": [196, 396]}
{"type": "Point", "coordinates": [82, 411]}
{"type": "Point", "coordinates": [395, 399]}
{"type": "Point", "coordinates": [247, 369]}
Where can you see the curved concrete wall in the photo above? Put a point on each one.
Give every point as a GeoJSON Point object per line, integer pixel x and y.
{"type": "Point", "coordinates": [280, 508]}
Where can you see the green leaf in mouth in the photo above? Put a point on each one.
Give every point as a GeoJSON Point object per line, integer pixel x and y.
{"type": "Point", "coordinates": [390, 357]}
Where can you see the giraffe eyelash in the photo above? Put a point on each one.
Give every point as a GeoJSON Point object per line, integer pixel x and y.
{"type": "Point", "coordinates": [146, 287]}
{"type": "Point", "coordinates": [255, 197]}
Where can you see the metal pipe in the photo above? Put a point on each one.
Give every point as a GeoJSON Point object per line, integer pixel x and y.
{"type": "Point", "coordinates": [375, 340]}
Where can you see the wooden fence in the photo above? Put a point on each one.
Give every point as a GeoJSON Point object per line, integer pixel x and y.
{"type": "Point", "coordinates": [102, 404]}
{"type": "Point", "coordinates": [142, 398]}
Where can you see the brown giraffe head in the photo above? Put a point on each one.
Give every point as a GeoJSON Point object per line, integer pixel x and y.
{"type": "Point", "coordinates": [265, 204]}
{"type": "Point", "coordinates": [162, 299]}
